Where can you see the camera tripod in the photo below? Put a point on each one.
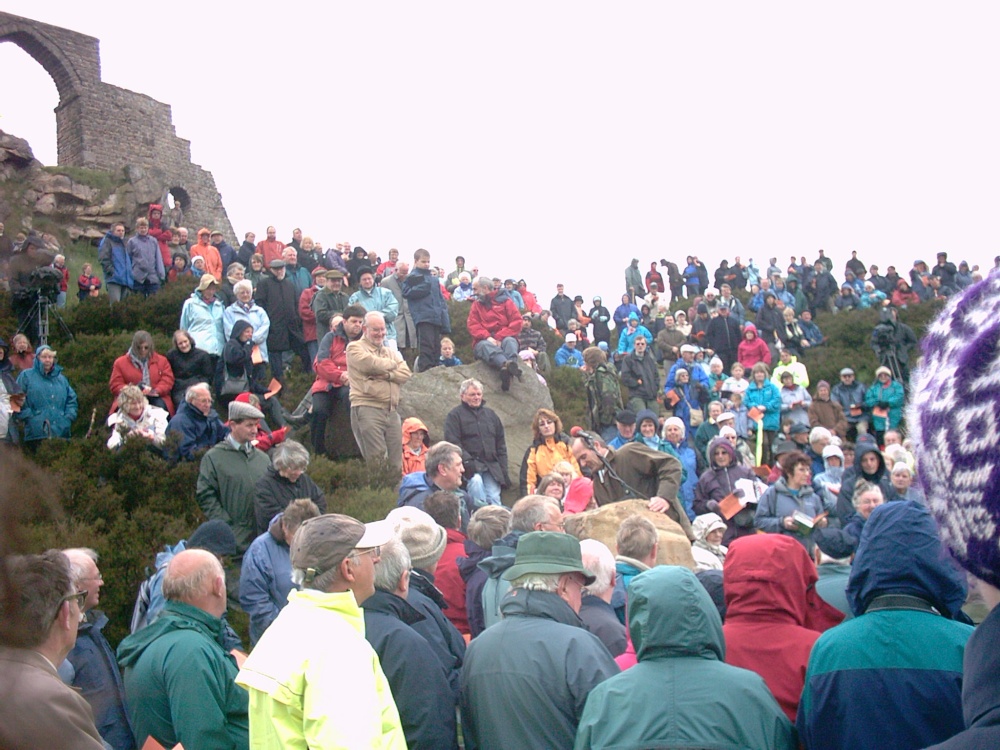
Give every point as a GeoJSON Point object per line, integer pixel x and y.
{"type": "Point", "coordinates": [39, 314]}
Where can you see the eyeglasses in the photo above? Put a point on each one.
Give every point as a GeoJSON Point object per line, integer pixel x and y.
{"type": "Point", "coordinates": [375, 552]}
{"type": "Point", "coordinates": [80, 597]}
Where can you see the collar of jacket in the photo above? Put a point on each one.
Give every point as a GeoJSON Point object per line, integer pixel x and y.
{"type": "Point", "coordinates": [544, 604]}
{"type": "Point", "coordinates": [341, 602]}
{"type": "Point", "coordinates": [388, 603]}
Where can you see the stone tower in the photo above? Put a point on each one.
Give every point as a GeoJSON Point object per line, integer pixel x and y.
{"type": "Point", "coordinates": [105, 127]}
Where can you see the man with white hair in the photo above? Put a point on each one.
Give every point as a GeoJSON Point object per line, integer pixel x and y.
{"type": "Point", "coordinates": [91, 667]}
{"type": "Point", "coordinates": [376, 375]}
{"type": "Point", "coordinates": [307, 693]}
{"type": "Point", "coordinates": [196, 422]}
{"type": "Point", "coordinates": [494, 324]}
{"type": "Point", "coordinates": [420, 687]}
{"type": "Point", "coordinates": [406, 329]}
{"type": "Point", "coordinates": [532, 695]}
{"type": "Point", "coordinates": [595, 609]}
{"type": "Point", "coordinates": [179, 678]}
{"type": "Point", "coordinates": [478, 431]}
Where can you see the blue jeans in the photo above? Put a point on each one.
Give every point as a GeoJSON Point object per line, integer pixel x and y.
{"type": "Point", "coordinates": [496, 356]}
{"type": "Point", "coordinates": [484, 490]}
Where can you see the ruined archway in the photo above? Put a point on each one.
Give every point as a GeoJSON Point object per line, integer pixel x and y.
{"type": "Point", "coordinates": [108, 128]}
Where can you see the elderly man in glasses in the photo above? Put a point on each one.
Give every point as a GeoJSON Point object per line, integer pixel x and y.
{"type": "Point", "coordinates": [40, 618]}
{"type": "Point", "coordinates": [91, 667]}
{"type": "Point", "coordinates": [313, 679]}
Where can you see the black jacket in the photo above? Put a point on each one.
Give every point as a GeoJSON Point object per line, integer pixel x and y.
{"type": "Point", "coordinates": [479, 432]}
{"type": "Point", "coordinates": [635, 369]}
{"type": "Point", "coordinates": [274, 493]}
{"type": "Point", "coordinates": [418, 681]}
{"type": "Point", "coordinates": [723, 337]}
{"type": "Point", "coordinates": [280, 301]}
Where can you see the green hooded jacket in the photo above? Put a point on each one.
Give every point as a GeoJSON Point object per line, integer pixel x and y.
{"type": "Point", "coordinates": [180, 682]}
{"type": "Point", "coordinates": [680, 693]}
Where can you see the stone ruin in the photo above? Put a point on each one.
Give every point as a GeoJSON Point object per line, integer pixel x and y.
{"type": "Point", "coordinates": [111, 129]}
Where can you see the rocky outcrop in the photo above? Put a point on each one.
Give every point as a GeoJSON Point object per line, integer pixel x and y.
{"type": "Point", "coordinates": [602, 524]}
{"type": "Point", "coordinates": [431, 395]}
{"type": "Point", "coordinates": [73, 202]}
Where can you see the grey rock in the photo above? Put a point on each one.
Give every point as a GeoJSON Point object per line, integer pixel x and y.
{"type": "Point", "coordinates": [431, 395]}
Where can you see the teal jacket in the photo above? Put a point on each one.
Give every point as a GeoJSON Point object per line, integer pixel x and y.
{"type": "Point", "coordinates": [50, 404]}
{"type": "Point", "coordinates": [766, 395]}
{"type": "Point", "coordinates": [893, 397]}
{"type": "Point", "coordinates": [680, 693]}
{"type": "Point", "coordinates": [180, 682]}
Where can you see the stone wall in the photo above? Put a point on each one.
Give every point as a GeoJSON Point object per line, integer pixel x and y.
{"type": "Point", "coordinates": [104, 127]}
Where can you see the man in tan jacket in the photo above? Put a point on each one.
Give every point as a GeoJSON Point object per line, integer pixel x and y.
{"type": "Point", "coordinates": [36, 709]}
{"type": "Point", "coordinates": [376, 375]}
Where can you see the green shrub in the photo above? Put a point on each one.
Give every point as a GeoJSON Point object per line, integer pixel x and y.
{"type": "Point", "coordinates": [128, 504]}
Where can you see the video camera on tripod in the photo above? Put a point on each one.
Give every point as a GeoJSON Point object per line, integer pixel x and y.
{"type": "Point", "coordinates": [885, 346]}
{"type": "Point", "coordinates": [43, 281]}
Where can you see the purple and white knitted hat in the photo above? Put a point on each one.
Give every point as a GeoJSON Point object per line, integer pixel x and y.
{"type": "Point", "coordinates": [954, 418]}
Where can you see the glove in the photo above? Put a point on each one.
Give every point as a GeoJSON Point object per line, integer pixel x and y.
{"type": "Point", "coordinates": [713, 505]}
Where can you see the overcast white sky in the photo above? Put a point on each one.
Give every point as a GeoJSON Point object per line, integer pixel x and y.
{"type": "Point", "coordinates": [557, 140]}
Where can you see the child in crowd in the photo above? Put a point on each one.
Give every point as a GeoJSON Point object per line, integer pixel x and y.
{"type": "Point", "coordinates": [179, 267]}
{"type": "Point", "coordinates": [88, 285]}
{"type": "Point", "coordinates": [736, 382]}
{"type": "Point", "coordinates": [741, 423]}
{"type": "Point", "coordinates": [197, 266]}
{"type": "Point", "coordinates": [416, 441]}
{"type": "Point", "coordinates": [448, 358]}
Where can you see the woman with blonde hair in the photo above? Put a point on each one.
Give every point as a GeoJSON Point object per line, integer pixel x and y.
{"type": "Point", "coordinates": [134, 417]}
{"type": "Point", "coordinates": [549, 447]}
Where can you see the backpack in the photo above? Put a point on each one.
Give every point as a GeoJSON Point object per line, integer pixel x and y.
{"type": "Point", "coordinates": [149, 600]}
{"type": "Point", "coordinates": [605, 396]}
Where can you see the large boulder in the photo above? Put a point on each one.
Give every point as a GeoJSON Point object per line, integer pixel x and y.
{"type": "Point", "coordinates": [602, 524]}
{"type": "Point", "coordinates": [432, 394]}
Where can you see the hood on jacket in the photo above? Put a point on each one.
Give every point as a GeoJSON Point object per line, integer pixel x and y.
{"type": "Point", "coordinates": [721, 442]}
{"type": "Point", "coordinates": [174, 616]}
{"type": "Point", "coordinates": [238, 328]}
{"type": "Point", "coordinates": [705, 524]}
{"type": "Point", "coordinates": [40, 369]}
{"type": "Point", "coordinates": [835, 472]}
{"type": "Point", "coordinates": [646, 414]}
{"type": "Point", "coordinates": [670, 614]}
{"type": "Point", "coordinates": [864, 447]}
{"type": "Point", "coordinates": [111, 236]}
{"type": "Point", "coordinates": [900, 553]}
{"type": "Point", "coordinates": [411, 425]}
{"type": "Point", "coordinates": [771, 577]}
{"type": "Point", "coordinates": [749, 332]}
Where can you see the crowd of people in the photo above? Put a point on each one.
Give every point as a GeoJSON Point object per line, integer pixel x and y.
{"type": "Point", "coordinates": [807, 506]}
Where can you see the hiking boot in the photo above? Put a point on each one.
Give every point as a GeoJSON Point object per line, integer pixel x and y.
{"type": "Point", "coordinates": [505, 378]}
{"type": "Point", "coordinates": [515, 370]}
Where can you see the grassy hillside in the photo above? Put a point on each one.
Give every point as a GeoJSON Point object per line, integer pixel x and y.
{"type": "Point", "coordinates": [128, 504]}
